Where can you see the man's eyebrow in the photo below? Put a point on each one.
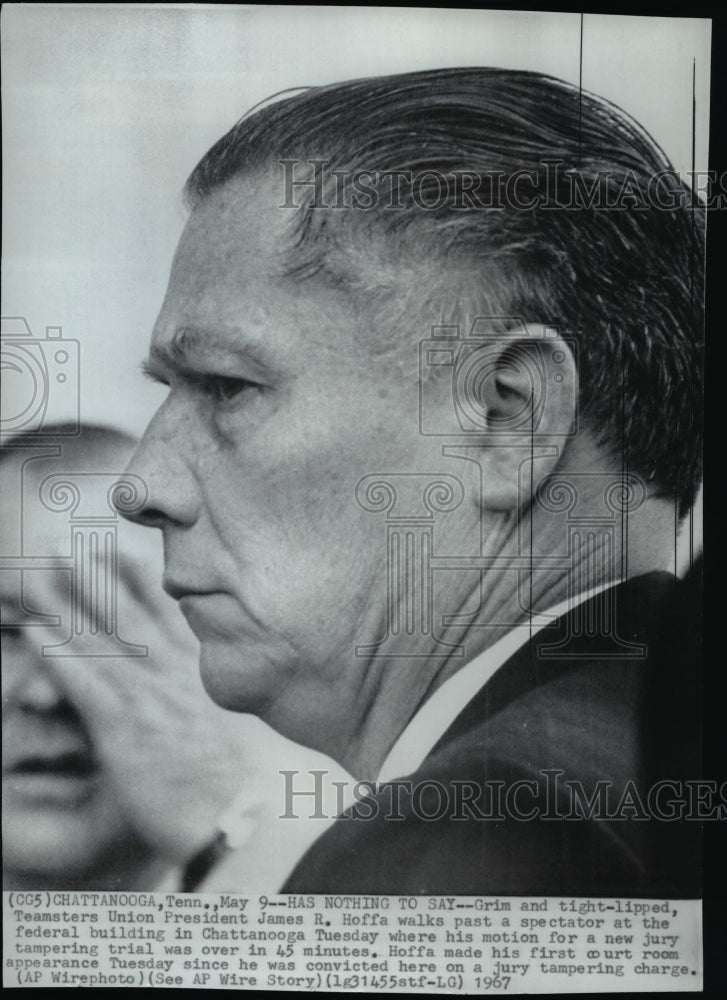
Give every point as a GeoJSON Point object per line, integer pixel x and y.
{"type": "Point", "coordinates": [191, 346]}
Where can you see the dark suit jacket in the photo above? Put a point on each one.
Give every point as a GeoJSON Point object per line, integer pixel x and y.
{"type": "Point", "coordinates": [558, 705]}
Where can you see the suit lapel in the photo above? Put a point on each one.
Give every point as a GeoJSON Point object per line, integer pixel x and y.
{"type": "Point", "coordinates": [637, 605]}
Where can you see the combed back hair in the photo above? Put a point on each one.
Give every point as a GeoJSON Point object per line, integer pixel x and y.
{"type": "Point", "coordinates": [625, 281]}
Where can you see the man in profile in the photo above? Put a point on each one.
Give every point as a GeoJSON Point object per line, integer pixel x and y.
{"type": "Point", "coordinates": [433, 351]}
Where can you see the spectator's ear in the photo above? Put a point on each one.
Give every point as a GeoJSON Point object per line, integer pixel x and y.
{"type": "Point", "coordinates": [527, 394]}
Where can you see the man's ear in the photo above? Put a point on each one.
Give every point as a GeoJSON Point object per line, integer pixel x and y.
{"type": "Point", "coordinates": [528, 396]}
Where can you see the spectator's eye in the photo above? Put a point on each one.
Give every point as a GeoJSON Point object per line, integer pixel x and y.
{"type": "Point", "coordinates": [12, 633]}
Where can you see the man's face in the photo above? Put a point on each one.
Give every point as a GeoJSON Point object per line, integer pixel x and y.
{"type": "Point", "coordinates": [277, 408]}
{"type": "Point", "coordinates": [62, 817]}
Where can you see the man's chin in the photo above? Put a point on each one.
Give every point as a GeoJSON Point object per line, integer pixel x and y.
{"type": "Point", "coordinates": [52, 843]}
{"type": "Point", "coordinates": [233, 680]}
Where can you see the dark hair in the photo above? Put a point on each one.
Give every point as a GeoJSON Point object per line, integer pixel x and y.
{"type": "Point", "coordinates": [623, 275]}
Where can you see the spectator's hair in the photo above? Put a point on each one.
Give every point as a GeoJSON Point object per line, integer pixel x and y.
{"type": "Point", "coordinates": [625, 281]}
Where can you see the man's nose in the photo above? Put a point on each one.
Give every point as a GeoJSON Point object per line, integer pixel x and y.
{"type": "Point", "coordinates": [34, 689]}
{"type": "Point", "coordinates": [158, 487]}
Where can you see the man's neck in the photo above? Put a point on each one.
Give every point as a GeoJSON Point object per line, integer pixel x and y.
{"type": "Point", "coordinates": [475, 613]}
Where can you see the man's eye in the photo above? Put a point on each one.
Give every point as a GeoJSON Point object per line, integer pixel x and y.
{"type": "Point", "coordinates": [223, 390]}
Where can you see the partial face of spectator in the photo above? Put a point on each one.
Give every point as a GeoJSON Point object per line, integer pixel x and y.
{"type": "Point", "coordinates": [63, 818]}
{"type": "Point", "coordinates": [116, 763]}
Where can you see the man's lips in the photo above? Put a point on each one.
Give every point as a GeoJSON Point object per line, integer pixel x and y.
{"type": "Point", "coordinates": [179, 588]}
{"type": "Point", "coordinates": [54, 778]}
{"type": "Point", "coordinates": [213, 616]}
{"type": "Point", "coordinates": [203, 612]}
{"type": "Point", "coordinates": [211, 611]}
{"type": "Point", "coordinates": [71, 764]}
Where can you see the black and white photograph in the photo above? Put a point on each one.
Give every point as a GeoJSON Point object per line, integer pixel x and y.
{"type": "Point", "coordinates": [351, 455]}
